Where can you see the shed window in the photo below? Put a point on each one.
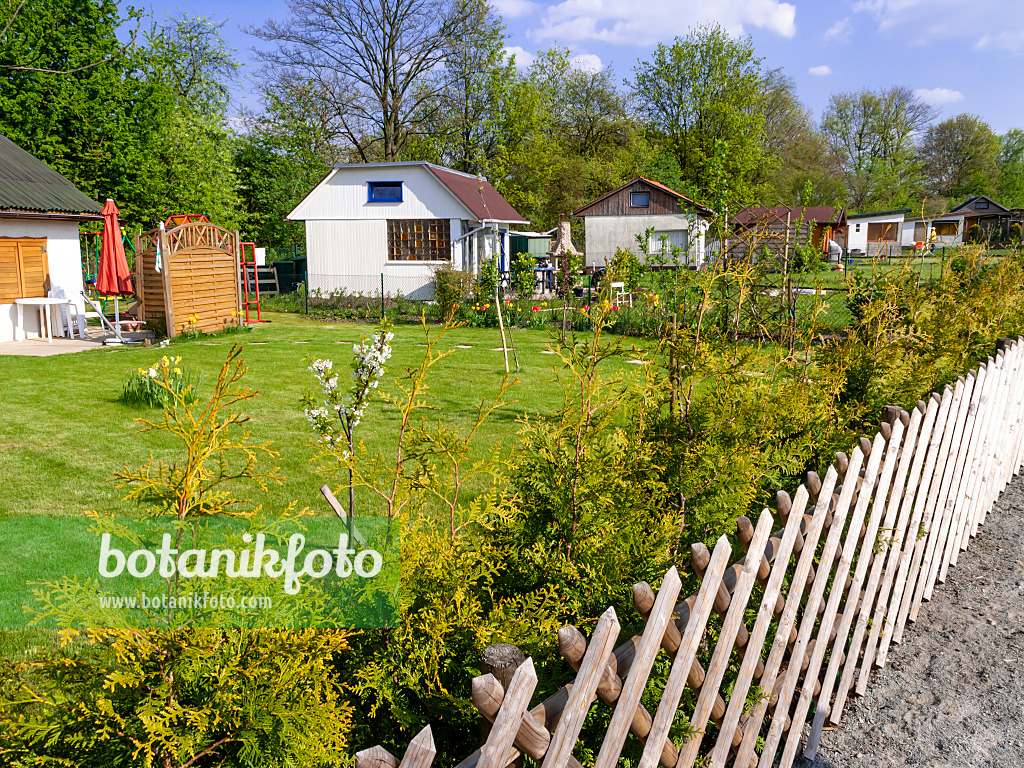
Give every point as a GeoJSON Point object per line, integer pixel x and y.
{"type": "Point", "coordinates": [640, 199]}
{"type": "Point", "coordinates": [665, 242]}
{"type": "Point", "coordinates": [879, 231]}
{"type": "Point", "coordinates": [24, 272]}
{"type": "Point", "coordinates": [385, 191]}
{"type": "Point", "coordinates": [419, 240]}
{"type": "Point", "coordinates": [981, 205]}
{"type": "Point", "coordinates": [945, 228]}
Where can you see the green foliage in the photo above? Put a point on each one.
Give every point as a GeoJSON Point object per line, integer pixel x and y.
{"type": "Point", "coordinates": [147, 125]}
{"type": "Point", "coordinates": [704, 88]}
{"type": "Point", "coordinates": [1014, 233]}
{"type": "Point", "coordinates": [451, 287]}
{"type": "Point", "coordinates": [182, 697]}
{"type": "Point", "coordinates": [959, 156]}
{"type": "Point", "coordinates": [523, 278]}
{"type": "Point", "coordinates": [487, 280]}
{"type": "Point", "coordinates": [627, 269]}
{"type": "Point", "coordinates": [160, 384]}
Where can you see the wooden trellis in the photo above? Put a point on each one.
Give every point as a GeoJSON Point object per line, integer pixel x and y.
{"type": "Point", "coordinates": [197, 286]}
{"type": "Point", "coordinates": [833, 589]}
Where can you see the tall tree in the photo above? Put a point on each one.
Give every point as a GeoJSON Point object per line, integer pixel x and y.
{"type": "Point", "coordinates": [873, 134]}
{"type": "Point", "coordinates": [700, 89]}
{"type": "Point", "coordinates": [959, 157]}
{"type": "Point", "coordinates": [1011, 168]}
{"type": "Point", "coordinates": [376, 62]}
{"type": "Point", "coordinates": [462, 132]}
{"type": "Point", "coordinates": [87, 122]}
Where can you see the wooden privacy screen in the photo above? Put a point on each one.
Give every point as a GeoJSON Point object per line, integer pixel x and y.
{"type": "Point", "coordinates": [197, 287]}
{"type": "Point", "coordinates": [802, 618]}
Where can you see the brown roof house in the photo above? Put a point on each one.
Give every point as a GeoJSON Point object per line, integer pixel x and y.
{"type": "Point", "coordinates": [393, 223]}
{"type": "Point", "coordinates": [777, 229]}
{"type": "Point", "coordinates": [616, 219]}
{"type": "Point", "coordinates": [40, 211]}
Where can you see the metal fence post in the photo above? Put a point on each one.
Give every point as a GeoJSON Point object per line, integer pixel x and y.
{"type": "Point", "coordinates": [305, 284]}
{"type": "Point", "coordinates": [382, 297]}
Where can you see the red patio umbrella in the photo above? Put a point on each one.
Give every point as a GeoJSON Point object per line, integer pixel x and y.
{"type": "Point", "coordinates": [112, 275]}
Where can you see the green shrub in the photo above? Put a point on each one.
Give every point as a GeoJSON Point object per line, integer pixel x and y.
{"type": "Point", "coordinates": [451, 287]}
{"type": "Point", "coordinates": [155, 386]}
{"type": "Point", "coordinates": [523, 278]}
{"type": "Point", "coordinates": [974, 234]}
{"type": "Point", "coordinates": [1015, 233]}
{"type": "Point", "coordinates": [487, 280]}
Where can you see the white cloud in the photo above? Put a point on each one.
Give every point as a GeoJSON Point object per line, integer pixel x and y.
{"type": "Point", "coordinates": [1011, 41]}
{"type": "Point", "coordinates": [589, 62]}
{"type": "Point", "coordinates": [514, 9]}
{"type": "Point", "coordinates": [630, 22]}
{"type": "Point", "coordinates": [923, 22]}
{"type": "Point", "coordinates": [939, 96]}
{"type": "Point", "coordinates": [821, 71]}
{"type": "Point", "coordinates": [523, 57]}
{"type": "Point", "coordinates": [840, 31]}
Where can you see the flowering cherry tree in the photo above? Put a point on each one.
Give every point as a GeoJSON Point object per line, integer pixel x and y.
{"type": "Point", "coordinates": [336, 417]}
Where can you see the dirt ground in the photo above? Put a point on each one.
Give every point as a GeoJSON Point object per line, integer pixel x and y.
{"type": "Point", "coordinates": [952, 694]}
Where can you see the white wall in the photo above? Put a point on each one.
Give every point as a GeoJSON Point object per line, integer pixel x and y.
{"type": "Point", "coordinates": [859, 240]}
{"type": "Point", "coordinates": [351, 256]}
{"type": "Point", "coordinates": [606, 234]}
{"type": "Point", "coordinates": [345, 195]}
{"type": "Point", "coordinates": [64, 258]}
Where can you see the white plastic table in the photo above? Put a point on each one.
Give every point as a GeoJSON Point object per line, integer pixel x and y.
{"type": "Point", "coordinates": [43, 304]}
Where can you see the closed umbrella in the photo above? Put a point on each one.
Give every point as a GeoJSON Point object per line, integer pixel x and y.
{"type": "Point", "coordinates": [112, 275]}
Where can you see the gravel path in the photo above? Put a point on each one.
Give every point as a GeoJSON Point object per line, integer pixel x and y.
{"type": "Point", "coordinates": [952, 694]}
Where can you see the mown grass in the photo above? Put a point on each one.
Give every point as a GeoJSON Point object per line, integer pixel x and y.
{"type": "Point", "coordinates": [64, 431]}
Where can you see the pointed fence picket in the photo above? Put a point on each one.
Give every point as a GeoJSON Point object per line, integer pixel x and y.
{"type": "Point", "coordinates": [858, 553]}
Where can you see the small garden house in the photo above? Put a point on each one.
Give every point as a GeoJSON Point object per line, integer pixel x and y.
{"type": "Point", "coordinates": [875, 234]}
{"type": "Point", "coordinates": [616, 218]}
{"type": "Point", "coordinates": [40, 212]}
{"type": "Point", "coordinates": [385, 226]}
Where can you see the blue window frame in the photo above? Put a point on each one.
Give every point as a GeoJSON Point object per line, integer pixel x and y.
{"type": "Point", "coordinates": [384, 191]}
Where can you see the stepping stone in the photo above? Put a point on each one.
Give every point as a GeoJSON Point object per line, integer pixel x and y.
{"type": "Point", "coordinates": [501, 349]}
{"type": "Point", "coordinates": [463, 346]}
{"type": "Point", "coordinates": [300, 342]}
{"type": "Point", "coordinates": [637, 362]}
{"type": "Point", "coordinates": [546, 352]}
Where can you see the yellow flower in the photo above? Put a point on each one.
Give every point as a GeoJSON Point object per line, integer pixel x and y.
{"type": "Point", "coordinates": [178, 371]}
{"type": "Point", "coordinates": [234, 314]}
{"type": "Point", "coordinates": [543, 303]}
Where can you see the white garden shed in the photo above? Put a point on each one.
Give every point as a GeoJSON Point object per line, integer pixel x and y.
{"type": "Point", "coordinates": [40, 212]}
{"type": "Point", "coordinates": [878, 233]}
{"type": "Point", "coordinates": [386, 226]}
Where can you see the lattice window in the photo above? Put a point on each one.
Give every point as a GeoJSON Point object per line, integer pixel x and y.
{"type": "Point", "coordinates": [419, 240]}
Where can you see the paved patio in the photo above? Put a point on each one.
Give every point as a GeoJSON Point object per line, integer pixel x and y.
{"type": "Point", "coordinates": [63, 346]}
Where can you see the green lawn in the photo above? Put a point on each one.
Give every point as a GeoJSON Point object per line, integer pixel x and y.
{"type": "Point", "coordinates": [64, 431]}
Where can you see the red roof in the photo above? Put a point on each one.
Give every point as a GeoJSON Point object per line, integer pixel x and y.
{"type": "Point", "coordinates": [703, 210]}
{"type": "Point", "coordinates": [819, 214]}
{"type": "Point", "coordinates": [477, 194]}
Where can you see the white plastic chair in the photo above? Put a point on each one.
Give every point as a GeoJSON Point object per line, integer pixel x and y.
{"type": "Point", "coordinates": [620, 296]}
{"type": "Point", "coordinates": [68, 315]}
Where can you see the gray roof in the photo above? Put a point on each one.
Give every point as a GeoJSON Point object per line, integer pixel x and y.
{"type": "Point", "coordinates": [29, 184]}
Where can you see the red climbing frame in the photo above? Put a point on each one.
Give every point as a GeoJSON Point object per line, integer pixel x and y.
{"type": "Point", "coordinates": [254, 287]}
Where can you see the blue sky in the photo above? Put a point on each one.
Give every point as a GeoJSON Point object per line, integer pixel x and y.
{"type": "Point", "coordinates": [960, 56]}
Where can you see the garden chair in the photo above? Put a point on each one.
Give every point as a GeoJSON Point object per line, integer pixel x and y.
{"type": "Point", "coordinates": [115, 328]}
{"type": "Point", "coordinates": [620, 296]}
{"type": "Point", "coordinates": [68, 315]}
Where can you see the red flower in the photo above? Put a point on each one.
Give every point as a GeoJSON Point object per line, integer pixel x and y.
{"type": "Point", "coordinates": [615, 309]}
{"type": "Point", "coordinates": [586, 308]}
{"type": "Point", "coordinates": [535, 309]}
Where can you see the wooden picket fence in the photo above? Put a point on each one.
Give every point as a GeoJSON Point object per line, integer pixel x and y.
{"type": "Point", "coordinates": [837, 585]}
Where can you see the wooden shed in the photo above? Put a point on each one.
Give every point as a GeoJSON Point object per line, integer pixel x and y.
{"type": "Point", "coordinates": [190, 270]}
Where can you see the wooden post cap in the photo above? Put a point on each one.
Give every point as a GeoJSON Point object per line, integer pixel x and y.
{"type": "Point", "coordinates": [501, 660]}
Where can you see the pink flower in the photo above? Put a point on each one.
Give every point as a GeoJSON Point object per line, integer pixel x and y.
{"type": "Point", "coordinates": [615, 309]}
{"type": "Point", "coordinates": [586, 308]}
